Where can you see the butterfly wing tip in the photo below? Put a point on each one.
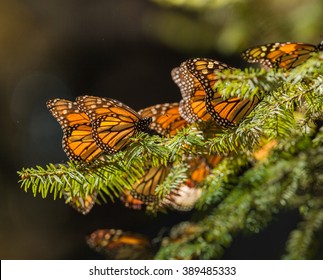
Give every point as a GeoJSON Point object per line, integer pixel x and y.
{"type": "Point", "coordinates": [50, 103]}
{"type": "Point", "coordinates": [80, 98]}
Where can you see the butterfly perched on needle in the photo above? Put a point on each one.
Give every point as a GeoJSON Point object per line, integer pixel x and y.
{"type": "Point", "coordinates": [281, 55]}
{"type": "Point", "coordinates": [145, 188]}
{"type": "Point", "coordinates": [77, 141]}
{"type": "Point", "coordinates": [166, 119]}
{"type": "Point", "coordinates": [185, 196]}
{"type": "Point", "coordinates": [142, 193]}
{"type": "Point", "coordinates": [225, 112]}
{"type": "Point", "coordinates": [113, 123]}
{"type": "Point", "coordinates": [120, 245]}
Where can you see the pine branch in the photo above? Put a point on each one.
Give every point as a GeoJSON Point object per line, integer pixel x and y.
{"type": "Point", "coordinates": [241, 194]}
{"type": "Point", "coordinates": [120, 170]}
{"type": "Point", "coordinates": [251, 202]}
{"type": "Point", "coordinates": [301, 239]}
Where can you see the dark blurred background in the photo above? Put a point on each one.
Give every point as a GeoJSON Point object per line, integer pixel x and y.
{"type": "Point", "coordinates": [122, 49]}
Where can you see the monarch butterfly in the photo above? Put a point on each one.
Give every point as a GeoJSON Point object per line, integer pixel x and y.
{"type": "Point", "coordinates": [166, 119]}
{"type": "Point", "coordinates": [113, 122]}
{"type": "Point", "coordinates": [80, 204]}
{"type": "Point", "coordinates": [131, 202]}
{"type": "Point", "coordinates": [281, 55]}
{"type": "Point", "coordinates": [120, 245]}
{"type": "Point", "coordinates": [145, 188]}
{"type": "Point", "coordinates": [198, 170]}
{"type": "Point", "coordinates": [201, 166]}
{"type": "Point", "coordinates": [180, 82]}
{"type": "Point", "coordinates": [264, 150]}
{"type": "Point", "coordinates": [225, 112]}
{"type": "Point", "coordinates": [185, 196]}
{"type": "Point", "coordinates": [192, 106]}
{"type": "Point", "coordinates": [77, 141]}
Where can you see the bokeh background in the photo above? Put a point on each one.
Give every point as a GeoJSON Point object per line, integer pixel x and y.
{"type": "Point", "coordinates": [125, 50]}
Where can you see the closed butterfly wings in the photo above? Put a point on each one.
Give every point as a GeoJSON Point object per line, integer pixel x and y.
{"type": "Point", "coordinates": [113, 123]}
{"type": "Point", "coordinates": [145, 188]}
{"type": "Point", "coordinates": [80, 204]}
{"type": "Point", "coordinates": [77, 141]}
{"type": "Point", "coordinates": [186, 195]}
{"type": "Point", "coordinates": [281, 55]}
{"type": "Point", "coordinates": [192, 106]}
{"type": "Point", "coordinates": [201, 166]}
{"type": "Point", "coordinates": [120, 245]}
{"type": "Point", "coordinates": [166, 119]}
{"type": "Point", "coordinates": [143, 192]}
{"type": "Point", "coordinates": [225, 112]}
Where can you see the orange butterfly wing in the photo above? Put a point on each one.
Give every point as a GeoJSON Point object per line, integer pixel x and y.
{"type": "Point", "coordinates": [145, 188]}
{"type": "Point", "coordinates": [185, 196]}
{"type": "Point", "coordinates": [226, 112]}
{"type": "Point", "coordinates": [80, 204]}
{"type": "Point", "coordinates": [131, 202]}
{"type": "Point", "coordinates": [113, 122]}
{"type": "Point", "coordinates": [201, 166]}
{"type": "Point", "coordinates": [281, 55]}
{"type": "Point", "coordinates": [166, 119]}
{"type": "Point", "coordinates": [192, 106]}
{"type": "Point", "coordinates": [77, 142]}
{"type": "Point", "coordinates": [119, 244]}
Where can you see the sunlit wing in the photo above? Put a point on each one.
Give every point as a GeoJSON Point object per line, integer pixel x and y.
{"type": "Point", "coordinates": [113, 123]}
{"type": "Point", "coordinates": [166, 119]}
{"type": "Point", "coordinates": [120, 245]}
{"type": "Point", "coordinates": [285, 55]}
{"type": "Point", "coordinates": [225, 112]}
{"type": "Point", "coordinates": [77, 141]}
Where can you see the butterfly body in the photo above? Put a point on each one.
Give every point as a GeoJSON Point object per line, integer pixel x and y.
{"type": "Point", "coordinates": [166, 119]}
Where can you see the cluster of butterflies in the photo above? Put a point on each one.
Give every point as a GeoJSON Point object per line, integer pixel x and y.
{"type": "Point", "coordinates": [96, 126]}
